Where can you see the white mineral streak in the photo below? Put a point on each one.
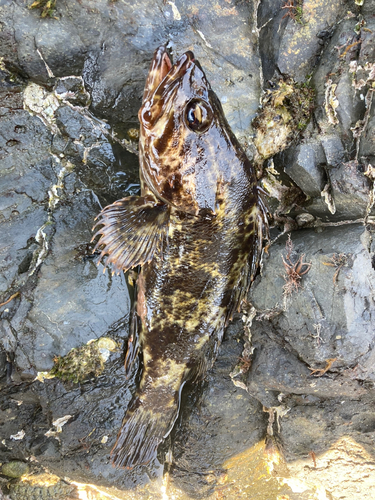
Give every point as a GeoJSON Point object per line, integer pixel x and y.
{"type": "Point", "coordinates": [41, 238]}
{"type": "Point", "coordinates": [17, 437]}
{"type": "Point", "coordinates": [176, 14]}
{"type": "Point", "coordinates": [48, 69]}
{"type": "Point", "coordinates": [58, 423]}
{"type": "Point", "coordinates": [53, 193]}
{"type": "Point", "coordinates": [328, 198]}
{"type": "Point", "coordinates": [37, 101]}
{"type": "Point", "coordinates": [204, 39]}
{"type": "Point", "coordinates": [331, 102]}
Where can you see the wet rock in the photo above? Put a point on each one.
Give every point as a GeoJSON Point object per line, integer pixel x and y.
{"type": "Point", "coordinates": [330, 315]}
{"type": "Point", "coordinates": [91, 414]}
{"type": "Point", "coordinates": [72, 89]}
{"type": "Point", "coordinates": [76, 126]}
{"type": "Point", "coordinates": [87, 142]}
{"type": "Point", "coordinates": [3, 363]}
{"type": "Point", "coordinates": [338, 104]}
{"type": "Point", "coordinates": [367, 140]}
{"type": "Point", "coordinates": [276, 370]}
{"type": "Point", "coordinates": [271, 26]}
{"type": "Point", "coordinates": [313, 351]}
{"type": "Point", "coordinates": [299, 46]}
{"type": "Point", "coordinates": [304, 166]}
{"type": "Point", "coordinates": [26, 175]}
{"type": "Point", "coordinates": [351, 189]}
{"type": "Point", "coordinates": [47, 215]}
{"type": "Point", "coordinates": [111, 45]}
{"type": "Point", "coordinates": [334, 151]}
{"type": "Point", "coordinates": [351, 105]}
{"type": "Point", "coordinates": [74, 301]}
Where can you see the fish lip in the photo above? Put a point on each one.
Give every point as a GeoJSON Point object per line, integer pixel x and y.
{"type": "Point", "coordinates": [160, 67]}
{"type": "Point", "coordinates": [162, 72]}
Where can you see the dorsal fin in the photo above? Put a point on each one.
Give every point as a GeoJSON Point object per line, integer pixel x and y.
{"type": "Point", "coordinates": [133, 229]}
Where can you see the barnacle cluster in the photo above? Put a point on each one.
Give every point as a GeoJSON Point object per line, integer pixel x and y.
{"type": "Point", "coordinates": [83, 362]}
{"type": "Point", "coordinates": [42, 486]}
{"type": "Point", "coordinates": [286, 110]}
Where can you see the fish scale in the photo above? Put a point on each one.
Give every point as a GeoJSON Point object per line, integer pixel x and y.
{"type": "Point", "coordinates": [197, 231]}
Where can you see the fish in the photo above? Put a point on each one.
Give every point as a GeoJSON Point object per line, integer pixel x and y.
{"type": "Point", "coordinates": [197, 230]}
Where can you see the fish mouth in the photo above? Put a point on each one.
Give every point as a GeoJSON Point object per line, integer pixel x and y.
{"type": "Point", "coordinates": [162, 71]}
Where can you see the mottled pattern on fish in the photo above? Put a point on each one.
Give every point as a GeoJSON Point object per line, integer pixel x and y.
{"type": "Point", "coordinates": [197, 231]}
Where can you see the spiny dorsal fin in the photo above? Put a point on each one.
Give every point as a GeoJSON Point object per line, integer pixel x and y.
{"type": "Point", "coordinates": [133, 229]}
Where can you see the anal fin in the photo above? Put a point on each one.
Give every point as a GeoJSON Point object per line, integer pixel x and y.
{"type": "Point", "coordinates": [133, 230]}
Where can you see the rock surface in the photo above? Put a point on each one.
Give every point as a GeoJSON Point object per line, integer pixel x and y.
{"type": "Point", "coordinates": [287, 409]}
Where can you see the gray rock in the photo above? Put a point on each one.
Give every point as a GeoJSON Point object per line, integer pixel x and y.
{"type": "Point", "coordinates": [303, 165]}
{"type": "Point", "coordinates": [351, 190]}
{"type": "Point", "coordinates": [111, 46]}
{"type": "Point", "coordinates": [334, 151]}
{"type": "Point", "coordinates": [59, 299]}
{"type": "Point", "coordinates": [3, 363]}
{"type": "Point", "coordinates": [300, 46]}
{"type": "Point", "coordinates": [350, 102]}
{"type": "Point", "coordinates": [277, 370]}
{"type": "Point", "coordinates": [271, 25]}
{"type": "Point", "coordinates": [351, 106]}
{"type": "Point", "coordinates": [74, 301]}
{"type": "Point", "coordinates": [324, 325]}
{"type": "Point", "coordinates": [367, 141]}
{"type": "Point", "coordinates": [224, 422]}
{"type": "Point", "coordinates": [72, 89]}
{"type": "Point", "coordinates": [330, 315]}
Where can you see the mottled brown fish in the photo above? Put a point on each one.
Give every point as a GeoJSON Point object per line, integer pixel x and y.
{"type": "Point", "coordinates": [197, 232]}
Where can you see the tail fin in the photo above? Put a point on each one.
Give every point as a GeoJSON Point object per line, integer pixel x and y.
{"type": "Point", "coordinates": [143, 429]}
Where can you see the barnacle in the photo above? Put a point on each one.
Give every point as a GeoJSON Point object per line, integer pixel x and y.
{"type": "Point", "coordinates": [41, 486]}
{"type": "Point", "coordinates": [286, 110]}
{"type": "Point", "coordinates": [85, 361]}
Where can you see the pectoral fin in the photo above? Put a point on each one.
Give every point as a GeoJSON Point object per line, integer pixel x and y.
{"type": "Point", "coordinates": [133, 230]}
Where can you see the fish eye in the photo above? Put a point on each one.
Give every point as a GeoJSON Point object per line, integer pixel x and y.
{"type": "Point", "coordinates": [147, 115]}
{"type": "Point", "coordinates": [198, 115]}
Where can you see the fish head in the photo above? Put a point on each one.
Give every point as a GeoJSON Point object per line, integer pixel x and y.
{"type": "Point", "coordinates": [185, 141]}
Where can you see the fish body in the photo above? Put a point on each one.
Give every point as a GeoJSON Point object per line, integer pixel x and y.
{"type": "Point", "coordinates": [197, 232]}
